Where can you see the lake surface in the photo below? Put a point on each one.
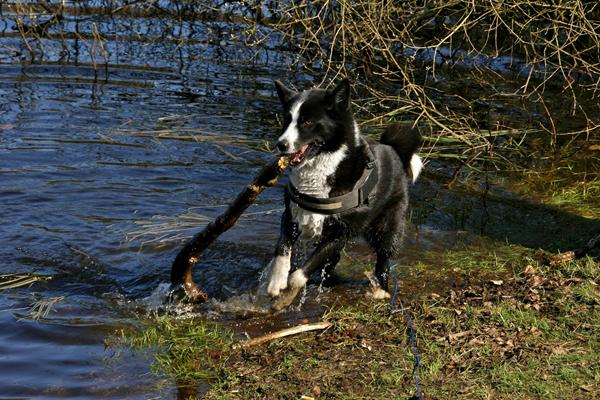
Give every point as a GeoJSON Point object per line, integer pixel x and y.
{"type": "Point", "coordinates": [102, 148]}
{"type": "Point", "coordinates": [83, 159]}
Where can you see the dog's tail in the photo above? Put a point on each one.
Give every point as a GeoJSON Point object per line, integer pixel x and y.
{"type": "Point", "coordinates": [405, 140]}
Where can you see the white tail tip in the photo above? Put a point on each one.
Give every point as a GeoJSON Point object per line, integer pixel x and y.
{"type": "Point", "coordinates": [416, 165]}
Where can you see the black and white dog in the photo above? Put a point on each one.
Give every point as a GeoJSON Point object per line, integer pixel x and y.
{"type": "Point", "coordinates": [341, 186]}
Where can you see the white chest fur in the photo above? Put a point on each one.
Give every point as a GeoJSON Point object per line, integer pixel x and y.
{"type": "Point", "coordinates": [311, 178]}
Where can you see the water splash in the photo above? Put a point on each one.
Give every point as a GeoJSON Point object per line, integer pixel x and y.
{"type": "Point", "coordinates": [302, 298]}
{"type": "Point", "coordinates": [158, 301]}
{"type": "Point", "coordinates": [243, 305]}
{"type": "Point", "coordinates": [321, 289]}
{"type": "Point", "coordinates": [257, 302]}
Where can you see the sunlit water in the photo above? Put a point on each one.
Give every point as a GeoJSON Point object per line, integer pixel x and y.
{"type": "Point", "coordinates": [82, 161]}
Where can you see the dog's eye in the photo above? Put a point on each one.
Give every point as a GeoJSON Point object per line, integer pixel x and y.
{"type": "Point", "coordinates": [308, 122]}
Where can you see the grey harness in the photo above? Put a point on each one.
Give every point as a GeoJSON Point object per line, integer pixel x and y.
{"type": "Point", "coordinates": [360, 194]}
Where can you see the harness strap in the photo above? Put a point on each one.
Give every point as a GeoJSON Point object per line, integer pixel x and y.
{"type": "Point", "coordinates": [360, 194]}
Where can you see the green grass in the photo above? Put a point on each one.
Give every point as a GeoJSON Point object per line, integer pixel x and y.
{"type": "Point", "coordinates": [581, 197]}
{"type": "Point", "coordinates": [532, 336]}
{"type": "Point", "coordinates": [187, 350]}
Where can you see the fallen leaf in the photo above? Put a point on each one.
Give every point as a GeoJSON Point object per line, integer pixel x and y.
{"type": "Point", "coordinates": [587, 388]}
{"type": "Point", "coordinates": [559, 350]}
{"type": "Point", "coordinates": [595, 147]}
{"type": "Point", "coordinates": [497, 282]}
{"type": "Point", "coordinates": [536, 280]}
{"type": "Point", "coordinates": [529, 270]}
{"type": "Point", "coordinates": [6, 126]}
{"type": "Point", "coordinates": [317, 391]}
{"type": "Point", "coordinates": [454, 336]}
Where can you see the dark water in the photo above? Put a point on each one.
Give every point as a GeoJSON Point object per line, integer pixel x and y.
{"type": "Point", "coordinates": [86, 154]}
{"type": "Point", "coordinates": [100, 151]}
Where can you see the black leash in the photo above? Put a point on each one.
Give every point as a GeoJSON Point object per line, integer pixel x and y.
{"type": "Point", "coordinates": [411, 335]}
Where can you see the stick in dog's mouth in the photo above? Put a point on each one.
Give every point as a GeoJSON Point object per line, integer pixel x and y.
{"type": "Point", "coordinates": [300, 155]}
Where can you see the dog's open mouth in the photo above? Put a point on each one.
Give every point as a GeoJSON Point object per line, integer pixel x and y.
{"type": "Point", "coordinates": [300, 155]}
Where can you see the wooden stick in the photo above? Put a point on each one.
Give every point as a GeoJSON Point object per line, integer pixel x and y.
{"type": "Point", "coordinates": [181, 270]}
{"type": "Point", "coordinates": [317, 326]}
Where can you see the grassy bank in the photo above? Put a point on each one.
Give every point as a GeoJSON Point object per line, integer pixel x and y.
{"type": "Point", "coordinates": [529, 333]}
{"type": "Point", "coordinates": [533, 335]}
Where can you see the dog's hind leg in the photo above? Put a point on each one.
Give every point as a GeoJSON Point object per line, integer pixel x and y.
{"type": "Point", "coordinates": [279, 267]}
{"type": "Point", "coordinates": [385, 238]}
{"type": "Point", "coordinates": [381, 291]}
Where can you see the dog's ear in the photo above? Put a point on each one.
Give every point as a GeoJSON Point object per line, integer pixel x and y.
{"type": "Point", "coordinates": [339, 96]}
{"type": "Point", "coordinates": [284, 93]}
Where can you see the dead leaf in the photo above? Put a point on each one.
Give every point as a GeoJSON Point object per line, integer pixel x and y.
{"type": "Point", "coordinates": [559, 350]}
{"type": "Point", "coordinates": [317, 391]}
{"type": "Point", "coordinates": [6, 126]}
{"type": "Point", "coordinates": [595, 147]}
{"type": "Point", "coordinates": [497, 282]}
{"type": "Point", "coordinates": [454, 336]}
{"type": "Point", "coordinates": [561, 257]}
{"type": "Point", "coordinates": [529, 270]}
{"type": "Point", "coordinates": [536, 280]}
{"type": "Point", "coordinates": [475, 342]}
{"type": "Point", "coordinates": [587, 388]}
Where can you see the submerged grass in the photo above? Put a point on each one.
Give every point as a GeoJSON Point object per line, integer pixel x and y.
{"type": "Point", "coordinates": [13, 281]}
{"type": "Point", "coordinates": [188, 350]}
{"type": "Point", "coordinates": [41, 308]}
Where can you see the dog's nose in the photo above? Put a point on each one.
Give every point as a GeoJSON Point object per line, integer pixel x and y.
{"type": "Point", "coordinates": [283, 146]}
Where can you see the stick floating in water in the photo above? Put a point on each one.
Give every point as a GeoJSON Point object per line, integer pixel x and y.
{"type": "Point", "coordinates": [181, 271]}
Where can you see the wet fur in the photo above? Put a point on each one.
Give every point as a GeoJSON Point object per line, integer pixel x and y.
{"type": "Point", "coordinates": [333, 170]}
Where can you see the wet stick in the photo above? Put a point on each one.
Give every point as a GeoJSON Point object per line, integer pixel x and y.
{"type": "Point", "coordinates": [181, 271]}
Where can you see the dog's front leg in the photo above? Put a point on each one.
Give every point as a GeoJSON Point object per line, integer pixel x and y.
{"type": "Point", "coordinates": [279, 268]}
{"type": "Point", "coordinates": [325, 251]}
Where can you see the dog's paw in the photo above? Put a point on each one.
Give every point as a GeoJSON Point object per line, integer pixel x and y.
{"type": "Point", "coordinates": [297, 281]}
{"type": "Point", "coordinates": [377, 293]}
{"type": "Point", "coordinates": [278, 276]}
{"type": "Point", "coordinates": [285, 298]}
{"type": "Point", "coordinates": [277, 283]}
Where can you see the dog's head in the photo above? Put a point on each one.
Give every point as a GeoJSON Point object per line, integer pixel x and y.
{"type": "Point", "coordinates": [314, 121]}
